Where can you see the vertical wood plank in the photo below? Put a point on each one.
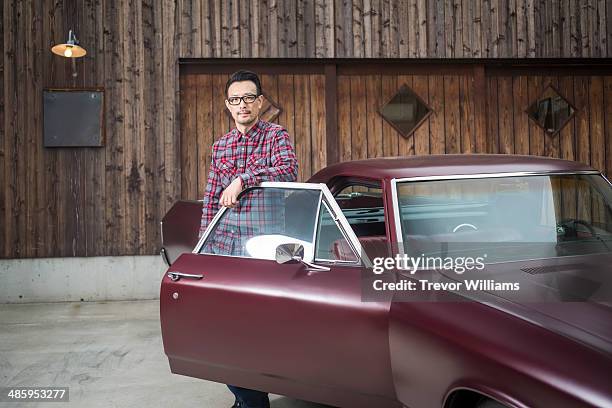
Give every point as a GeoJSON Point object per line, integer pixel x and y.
{"type": "Point", "coordinates": [358, 50]}
{"type": "Point", "coordinates": [318, 122]}
{"type": "Point", "coordinates": [245, 30]}
{"type": "Point", "coordinates": [564, 29]}
{"type": "Point", "coordinates": [422, 22]}
{"type": "Point", "coordinates": [566, 136]}
{"type": "Point", "coordinates": [521, 28]}
{"type": "Point", "coordinates": [574, 26]}
{"type": "Point", "coordinates": [344, 117]}
{"type": "Point", "coordinates": [596, 102]}
{"type": "Point", "coordinates": [207, 35]}
{"type": "Point", "coordinates": [458, 39]}
{"type": "Point", "coordinates": [3, 150]}
{"type": "Point", "coordinates": [376, 28]}
{"type": "Point", "coordinates": [367, 28]}
{"type": "Point", "coordinates": [437, 121]}
{"type": "Point", "coordinates": [204, 133]}
{"type": "Point", "coordinates": [188, 137]}
{"type": "Point", "coordinates": [511, 30]}
{"type": "Point", "coordinates": [255, 17]}
{"type": "Point", "coordinates": [139, 112]}
{"type": "Point", "coordinates": [436, 44]}
{"type": "Point", "coordinates": [405, 144]}
{"type": "Point", "coordinates": [340, 45]}
{"type": "Point", "coordinates": [389, 134]}
{"type": "Point", "coordinates": [114, 175]}
{"type": "Point", "coordinates": [536, 133]}
{"type": "Point", "coordinates": [492, 136]}
{"type": "Point", "coordinates": [216, 29]}
{"type": "Point", "coordinates": [531, 28]}
{"type": "Point", "coordinates": [172, 177]}
{"type": "Point", "coordinates": [521, 120]}
{"type": "Point", "coordinates": [477, 23]}
{"type": "Point", "coordinates": [452, 114]}
{"type": "Point", "coordinates": [332, 141]}
{"type": "Point", "coordinates": [359, 140]}
{"type": "Point", "coordinates": [286, 100]}
{"type": "Point", "coordinates": [421, 134]}
{"type": "Point", "coordinates": [264, 40]}
{"type": "Point", "coordinates": [608, 123]}
{"type": "Point", "coordinates": [551, 142]}
{"type": "Point", "coordinates": [449, 29]}
{"type": "Point", "coordinates": [480, 109]}
{"type": "Point", "coordinates": [374, 120]}
{"type": "Point", "coordinates": [303, 141]}
{"type": "Point", "coordinates": [466, 110]}
{"type": "Point", "coordinates": [290, 29]}
{"type": "Point", "coordinates": [308, 39]}
{"type": "Point", "coordinates": [581, 95]}
{"type": "Point", "coordinates": [555, 6]}
{"type": "Point", "coordinates": [130, 139]}
{"type": "Point", "coordinates": [408, 31]}
{"type": "Point", "coordinates": [220, 122]}
{"type": "Point", "coordinates": [152, 26]}
{"type": "Point", "coordinates": [234, 28]}
{"type": "Point", "coordinates": [393, 45]}
{"type": "Point", "coordinates": [506, 119]}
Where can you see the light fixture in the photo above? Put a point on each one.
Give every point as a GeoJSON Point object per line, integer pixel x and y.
{"type": "Point", "coordinates": [70, 49]}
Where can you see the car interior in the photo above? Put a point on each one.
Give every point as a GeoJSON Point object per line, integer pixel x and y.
{"type": "Point", "coordinates": [362, 205]}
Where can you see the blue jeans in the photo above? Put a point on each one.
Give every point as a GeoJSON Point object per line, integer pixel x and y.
{"type": "Point", "coordinates": [250, 398]}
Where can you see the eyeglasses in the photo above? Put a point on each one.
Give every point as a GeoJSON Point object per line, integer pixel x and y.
{"type": "Point", "coordinates": [235, 100]}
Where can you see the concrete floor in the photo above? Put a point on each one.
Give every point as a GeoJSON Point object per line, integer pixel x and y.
{"type": "Point", "coordinates": [110, 354]}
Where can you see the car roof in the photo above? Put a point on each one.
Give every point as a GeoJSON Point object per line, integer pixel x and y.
{"type": "Point", "coordinates": [445, 165]}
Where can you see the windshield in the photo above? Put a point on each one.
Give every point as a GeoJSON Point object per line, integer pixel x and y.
{"type": "Point", "coordinates": [508, 218]}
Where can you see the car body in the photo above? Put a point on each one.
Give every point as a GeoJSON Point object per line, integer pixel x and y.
{"type": "Point", "coordinates": [294, 329]}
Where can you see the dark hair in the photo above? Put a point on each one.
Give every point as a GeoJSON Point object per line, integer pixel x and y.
{"type": "Point", "coordinates": [242, 75]}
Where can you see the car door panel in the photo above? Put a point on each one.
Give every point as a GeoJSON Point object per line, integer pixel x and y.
{"type": "Point", "coordinates": [279, 324]}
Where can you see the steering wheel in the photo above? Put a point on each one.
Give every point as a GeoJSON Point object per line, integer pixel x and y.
{"type": "Point", "coordinates": [465, 225]}
{"type": "Point", "coordinates": [574, 231]}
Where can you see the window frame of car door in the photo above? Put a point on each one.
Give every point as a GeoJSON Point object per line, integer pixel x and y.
{"type": "Point", "coordinates": [335, 211]}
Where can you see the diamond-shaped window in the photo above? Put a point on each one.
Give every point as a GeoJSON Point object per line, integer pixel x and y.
{"type": "Point", "coordinates": [551, 111]}
{"type": "Point", "coordinates": [269, 110]}
{"type": "Point", "coordinates": [405, 111]}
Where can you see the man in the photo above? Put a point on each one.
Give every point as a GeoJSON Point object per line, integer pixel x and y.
{"type": "Point", "coordinates": [252, 152]}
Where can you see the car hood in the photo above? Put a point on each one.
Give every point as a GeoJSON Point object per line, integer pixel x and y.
{"type": "Point", "coordinates": [569, 295]}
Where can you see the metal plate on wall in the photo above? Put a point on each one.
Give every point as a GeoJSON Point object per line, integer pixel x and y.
{"type": "Point", "coordinates": [73, 118]}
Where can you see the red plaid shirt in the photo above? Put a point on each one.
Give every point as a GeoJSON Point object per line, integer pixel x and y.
{"type": "Point", "coordinates": [264, 153]}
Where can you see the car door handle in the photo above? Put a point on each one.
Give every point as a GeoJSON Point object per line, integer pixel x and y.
{"type": "Point", "coordinates": [178, 275]}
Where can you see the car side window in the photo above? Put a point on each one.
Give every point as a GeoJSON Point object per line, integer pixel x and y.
{"type": "Point", "coordinates": [331, 245]}
{"type": "Point", "coordinates": [363, 208]}
{"type": "Point", "coordinates": [263, 219]}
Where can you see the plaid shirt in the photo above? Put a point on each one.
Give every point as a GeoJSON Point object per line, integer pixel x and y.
{"type": "Point", "coordinates": [264, 153]}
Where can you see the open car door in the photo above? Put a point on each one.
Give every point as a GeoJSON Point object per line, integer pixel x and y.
{"type": "Point", "coordinates": [231, 313]}
{"type": "Point", "coordinates": [179, 229]}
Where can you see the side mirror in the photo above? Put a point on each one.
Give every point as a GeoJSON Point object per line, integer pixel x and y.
{"type": "Point", "coordinates": [286, 253]}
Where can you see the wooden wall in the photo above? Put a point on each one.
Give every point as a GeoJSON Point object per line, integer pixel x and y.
{"type": "Point", "coordinates": [88, 201]}
{"type": "Point", "coordinates": [109, 201]}
{"type": "Point", "coordinates": [395, 28]}
{"type": "Point", "coordinates": [204, 119]}
{"type": "Point", "coordinates": [462, 123]}
{"type": "Point", "coordinates": [473, 112]}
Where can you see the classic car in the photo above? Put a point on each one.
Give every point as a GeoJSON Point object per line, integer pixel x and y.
{"type": "Point", "coordinates": [277, 293]}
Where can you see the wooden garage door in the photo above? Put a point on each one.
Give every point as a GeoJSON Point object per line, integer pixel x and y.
{"type": "Point", "coordinates": [204, 119]}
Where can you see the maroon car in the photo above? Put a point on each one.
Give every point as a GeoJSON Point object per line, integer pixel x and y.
{"type": "Point", "coordinates": [281, 294]}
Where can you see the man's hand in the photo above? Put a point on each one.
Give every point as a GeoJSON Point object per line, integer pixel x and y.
{"type": "Point", "coordinates": [229, 195]}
